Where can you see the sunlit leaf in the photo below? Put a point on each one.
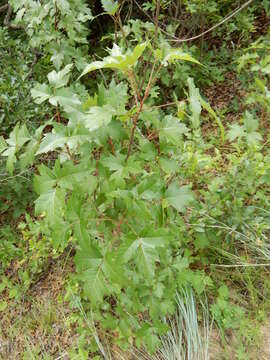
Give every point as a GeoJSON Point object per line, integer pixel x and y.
{"type": "Point", "coordinates": [110, 6]}
{"type": "Point", "coordinates": [117, 59]}
{"type": "Point", "coordinates": [60, 78]}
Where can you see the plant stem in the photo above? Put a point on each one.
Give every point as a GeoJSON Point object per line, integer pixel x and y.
{"type": "Point", "coordinates": [156, 19]}
{"type": "Point", "coordinates": [58, 114]}
{"type": "Point", "coordinates": [136, 116]}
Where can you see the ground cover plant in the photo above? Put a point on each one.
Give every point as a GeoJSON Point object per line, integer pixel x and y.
{"type": "Point", "coordinates": [135, 170]}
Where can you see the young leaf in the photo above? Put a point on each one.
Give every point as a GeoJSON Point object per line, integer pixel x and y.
{"type": "Point", "coordinates": [194, 103]}
{"type": "Point", "coordinates": [64, 97]}
{"type": "Point", "coordinates": [246, 59]}
{"type": "Point", "coordinates": [94, 282]}
{"type": "Point", "coordinates": [236, 131]}
{"type": "Point", "coordinates": [41, 93]}
{"type": "Point", "coordinates": [117, 60]}
{"type": "Point", "coordinates": [51, 142]}
{"type": "Point", "coordinates": [110, 6]}
{"type": "Point", "coordinates": [11, 158]}
{"type": "Point", "coordinates": [17, 138]}
{"type": "Point", "coordinates": [172, 128]}
{"type": "Point", "coordinates": [116, 96]}
{"type": "Point", "coordinates": [208, 108]}
{"type": "Point", "coordinates": [253, 138]}
{"type": "Point", "coordinates": [45, 181]}
{"type": "Point", "coordinates": [144, 250]}
{"type": "Point", "coordinates": [99, 273]}
{"type": "Point", "coordinates": [251, 124]}
{"type": "Point", "coordinates": [61, 78]}
{"type": "Point", "coordinates": [52, 204]}
{"type": "Point", "coordinates": [178, 54]}
{"type": "Point", "coordinates": [179, 197]}
{"type": "Point", "coordinates": [75, 177]}
{"type": "Point", "coordinates": [98, 116]}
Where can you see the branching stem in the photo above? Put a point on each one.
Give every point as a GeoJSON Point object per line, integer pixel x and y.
{"type": "Point", "coordinates": [146, 94]}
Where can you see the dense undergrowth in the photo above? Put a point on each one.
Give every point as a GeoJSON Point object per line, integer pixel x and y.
{"type": "Point", "coordinates": [117, 169]}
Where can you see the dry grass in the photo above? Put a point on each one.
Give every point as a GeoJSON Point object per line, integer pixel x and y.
{"type": "Point", "coordinates": [37, 323]}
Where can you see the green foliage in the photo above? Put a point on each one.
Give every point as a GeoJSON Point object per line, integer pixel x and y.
{"type": "Point", "coordinates": [16, 82]}
{"type": "Point", "coordinates": [56, 26]}
{"type": "Point", "coordinates": [26, 254]}
{"type": "Point", "coordinates": [117, 60]}
{"type": "Point", "coordinates": [248, 131]}
{"type": "Point", "coordinates": [226, 315]}
{"type": "Point", "coordinates": [16, 111]}
{"type": "Point", "coordinates": [126, 175]}
{"type": "Point", "coordinates": [110, 6]}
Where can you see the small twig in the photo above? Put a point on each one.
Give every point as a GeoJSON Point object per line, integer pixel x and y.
{"type": "Point", "coordinates": [37, 56]}
{"type": "Point", "coordinates": [121, 27]}
{"type": "Point", "coordinates": [129, 13]}
{"type": "Point", "coordinates": [17, 175]}
{"type": "Point", "coordinates": [56, 17]}
{"type": "Point", "coordinates": [135, 120]}
{"type": "Point", "coordinates": [70, 154]}
{"type": "Point", "coordinates": [145, 72]}
{"type": "Point", "coordinates": [235, 12]}
{"type": "Point", "coordinates": [8, 15]}
{"type": "Point", "coordinates": [134, 86]}
{"type": "Point", "coordinates": [112, 145]}
{"type": "Point", "coordinates": [156, 19]}
{"type": "Point", "coordinates": [7, 19]}
{"type": "Point", "coordinates": [240, 265]}
{"type": "Point", "coordinates": [115, 30]}
{"type": "Point", "coordinates": [175, 39]}
{"type": "Point", "coordinates": [165, 105]}
{"type": "Point", "coordinates": [58, 114]}
{"type": "Point", "coordinates": [150, 83]}
{"type": "Point", "coordinates": [155, 77]}
{"type": "Point", "coordinates": [145, 13]}
{"type": "Point", "coordinates": [3, 8]}
{"type": "Point", "coordinates": [104, 78]}
{"type": "Point", "coordinates": [61, 356]}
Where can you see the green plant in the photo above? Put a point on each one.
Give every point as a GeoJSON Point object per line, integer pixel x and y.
{"type": "Point", "coordinates": [225, 314]}
{"type": "Point", "coordinates": [183, 340]}
{"type": "Point", "coordinates": [104, 245]}
{"type": "Point", "coordinates": [126, 175]}
{"type": "Point", "coordinates": [55, 26]}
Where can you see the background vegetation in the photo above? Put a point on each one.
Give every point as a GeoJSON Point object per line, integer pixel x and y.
{"type": "Point", "coordinates": [135, 205]}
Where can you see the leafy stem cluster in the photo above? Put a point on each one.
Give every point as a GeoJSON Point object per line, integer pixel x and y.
{"type": "Point", "coordinates": [151, 202]}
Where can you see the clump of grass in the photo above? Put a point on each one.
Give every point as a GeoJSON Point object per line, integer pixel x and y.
{"type": "Point", "coordinates": [185, 340]}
